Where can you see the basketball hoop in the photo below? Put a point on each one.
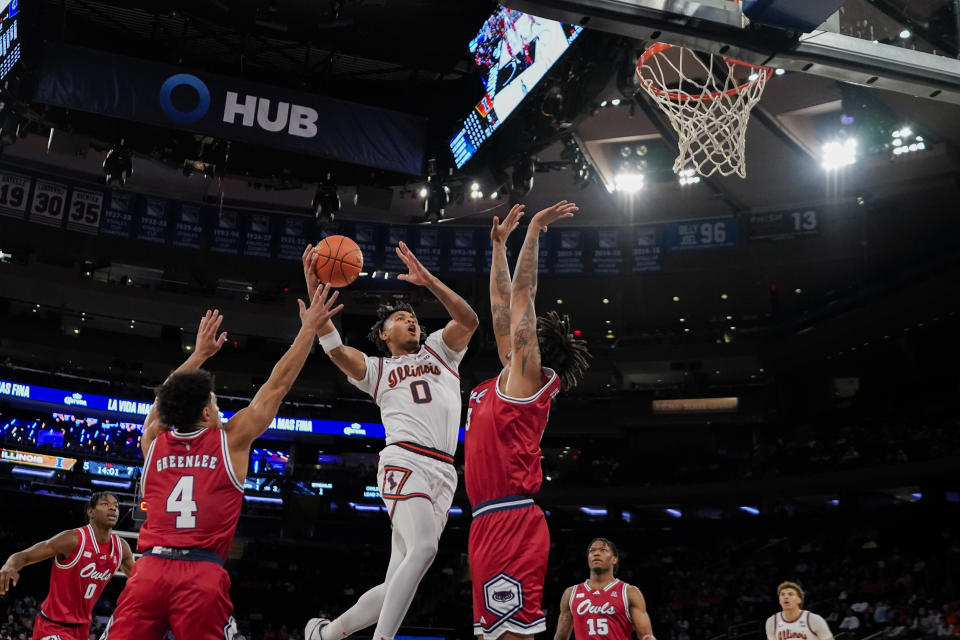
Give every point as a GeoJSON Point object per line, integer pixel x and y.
{"type": "Point", "coordinates": [709, 107]}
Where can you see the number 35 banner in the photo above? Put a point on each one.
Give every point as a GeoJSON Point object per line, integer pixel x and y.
{"type": "Point", "coordinates": [83, 214]}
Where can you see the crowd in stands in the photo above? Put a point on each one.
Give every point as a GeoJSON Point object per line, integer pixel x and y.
{"type": "Point", "coordinates": [892, 573]}
{"type": "Point", "coordinates": [842, 440]}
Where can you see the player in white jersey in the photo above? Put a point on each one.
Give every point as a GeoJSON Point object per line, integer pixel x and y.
{"type": "Point", "coordinates": [793, 622]}
{"type": "Point", "coordinates": [417, 387]}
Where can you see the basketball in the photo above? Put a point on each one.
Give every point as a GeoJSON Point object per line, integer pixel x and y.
{"type": "Point", "coordinates": [339, 260]}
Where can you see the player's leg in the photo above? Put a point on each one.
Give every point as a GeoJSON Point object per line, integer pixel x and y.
{"type": "Point", "coordinates": [141, 612]}
{"type": "Point", "coordinates": [508, 563]}
{"type": "Point", "coordinates": [200, 606]}
{"type": "Point", "coordinates": [366, 611]}
{"type": "Point", "coordinates": [416, 522]}
{"type": "Point", "coordinates": [46, 630]}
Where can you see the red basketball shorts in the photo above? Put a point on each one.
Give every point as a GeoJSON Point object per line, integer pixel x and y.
{"type": "Point", "coordinates": [509, 545]}
{"type": "Point", "coordinates": [44, 629]}
{"type": "Point", "coordinates": [191, 598]}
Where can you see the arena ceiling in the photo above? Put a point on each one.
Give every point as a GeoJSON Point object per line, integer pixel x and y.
{"type": "Point", "coordinates": [411, 55]}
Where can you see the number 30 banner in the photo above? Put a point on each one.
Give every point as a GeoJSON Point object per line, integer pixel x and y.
{"type": "Point", "coordinates": [49, 201]}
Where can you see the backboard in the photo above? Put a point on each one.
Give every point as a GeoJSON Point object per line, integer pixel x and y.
{"type": "Point", "coordinates": [875, 43]}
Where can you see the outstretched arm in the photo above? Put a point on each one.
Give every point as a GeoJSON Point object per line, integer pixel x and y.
{"type": "Point", "coordinates": [250, 423]}
{"type": "Point", "coordinates": [464, 321]}
{"type": "Point", "coordinates": [500, 280]}
{"type": "Point", "coordinates": [565, 623]}
{"type": "Point", "coordinates": [208, 343]}
{"type": "Point", "coordinates": [639, 615]}
{"type": "Point", "coordinates": [524, 377]}
{"type": "Point", "coordinates": [63, 544]}
{"type": "Point", "coordinates": [350, 361]}
{"type": "Point", "coordinates": [126, 561]}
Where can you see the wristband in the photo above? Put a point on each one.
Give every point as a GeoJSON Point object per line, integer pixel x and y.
{"type": "Point", "coordinates": [330, 341]}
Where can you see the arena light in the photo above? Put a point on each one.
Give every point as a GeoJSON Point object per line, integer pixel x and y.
{"type": "Point", "coordinates": [455, 511]}
{"type": "Point", "coordinates": [591, 511]}
{"type": "Point", "coordinates": [675, 513]}
{"type": "Point", "coordinates": [118, 164]}
{"type": "Point", "coordinates": [780, 72]}
{"type": "Point", "coordinates": [263, 499]}
{"type": "Point", "coordinates": [114, 484]}
{"type": "Point", "coordinates": [326, 201]}
{"type": "Point", "coordinates": [628, 182]}
{"type": "Point", "coordinates": [751, 510]}
{"type": "Point", "coordinates": [837, 154]}
{"type": "Point", "coordinates": [40, 473]}
{"type": "Point", "coordinates": [366, 507]}
{"type": "Point", "coordinates": [688, 177]}
{"type": "Point", "coordinates": [905, 34]}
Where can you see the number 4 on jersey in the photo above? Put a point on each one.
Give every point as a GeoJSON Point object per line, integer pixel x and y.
{"type": "Point", "coordinates": [180, 501]}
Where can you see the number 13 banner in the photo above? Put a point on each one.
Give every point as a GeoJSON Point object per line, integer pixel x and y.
{"type": "Point", "coordinates": [14, 190]}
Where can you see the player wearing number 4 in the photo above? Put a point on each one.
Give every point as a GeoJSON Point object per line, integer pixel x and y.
{"type": "Point", "coordinates": [603, 607]}
{"type": "Point", "coordinates": [509, 541]}
{"type": "Point", "coordinates": [193, 472]}
{"type": "Point", "coordinates": [417, 388]}
{"type": "Point", "coordinates": [84, 561]}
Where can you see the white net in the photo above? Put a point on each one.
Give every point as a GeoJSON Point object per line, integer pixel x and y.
{"type": "Point", "coordinates": [708, 100]}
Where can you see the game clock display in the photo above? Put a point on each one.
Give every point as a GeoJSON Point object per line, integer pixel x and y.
{"type": "Point", "coordinates": [517, 50]}
{"type": "Point", "coordinates": [109, 469]}
{"type": "Point", "coordinates": [9, 36]}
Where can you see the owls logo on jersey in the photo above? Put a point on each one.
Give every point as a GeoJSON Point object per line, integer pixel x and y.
{"type": "Point", "coordinates": [476, 396]}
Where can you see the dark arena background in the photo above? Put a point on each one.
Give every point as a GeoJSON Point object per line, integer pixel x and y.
{"type": "Point", "coordinates": [773, 393]}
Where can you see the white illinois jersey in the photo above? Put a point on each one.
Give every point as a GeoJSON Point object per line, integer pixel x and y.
{"type": "Point", "coordinates": [418, 394]}
{"type": "Point", "coordinates": [806, 626]}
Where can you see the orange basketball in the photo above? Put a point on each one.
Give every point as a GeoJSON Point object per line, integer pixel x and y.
{"type": "Point", "coordinates": [339, 260]}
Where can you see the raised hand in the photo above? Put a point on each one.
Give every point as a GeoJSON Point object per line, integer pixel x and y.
{"type": "Point", "coordinates": [502, 230]}
{"type": "Point", "coordinates": [8, 578]}
{"type": "Point", "coordinates": [418, 273]}
{"type": "Point", "coordinates": [321, 308]}
{"type": "Point", "coordinates": [548, 216]}
{"type": "Point", "coordinates": [208, 342]}
{"type": "Point", "coordinates": [310, 269]}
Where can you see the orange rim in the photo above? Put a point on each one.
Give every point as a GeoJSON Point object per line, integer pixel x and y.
{"type": "Point", "coordinates": [763, 75]}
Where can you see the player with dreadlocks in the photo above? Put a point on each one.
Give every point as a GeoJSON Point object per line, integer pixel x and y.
{"type": "Point", "coordinates": [417, 388]}
{"type": "Point", "coordinates": [509, 540]}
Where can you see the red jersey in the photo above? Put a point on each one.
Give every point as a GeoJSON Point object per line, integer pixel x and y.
{"type": "Point", "coordinates": [601, 612]}
{"type": "Point", "coordinates": [192, 496]}
{"type": "Point", "coordinates": [502, 441]}
{"type": "Point", "coordinates": [77, 582]}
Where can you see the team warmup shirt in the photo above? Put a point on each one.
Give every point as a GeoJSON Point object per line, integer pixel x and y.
{"type": "Point", "coordinates": [418, 394]}
{"type": "Point", "coordinates": [602, 612]}
{"type": "Point", "coordinates": [77, 582]}
{"type": "Point", "coordinates": [192, 496]}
